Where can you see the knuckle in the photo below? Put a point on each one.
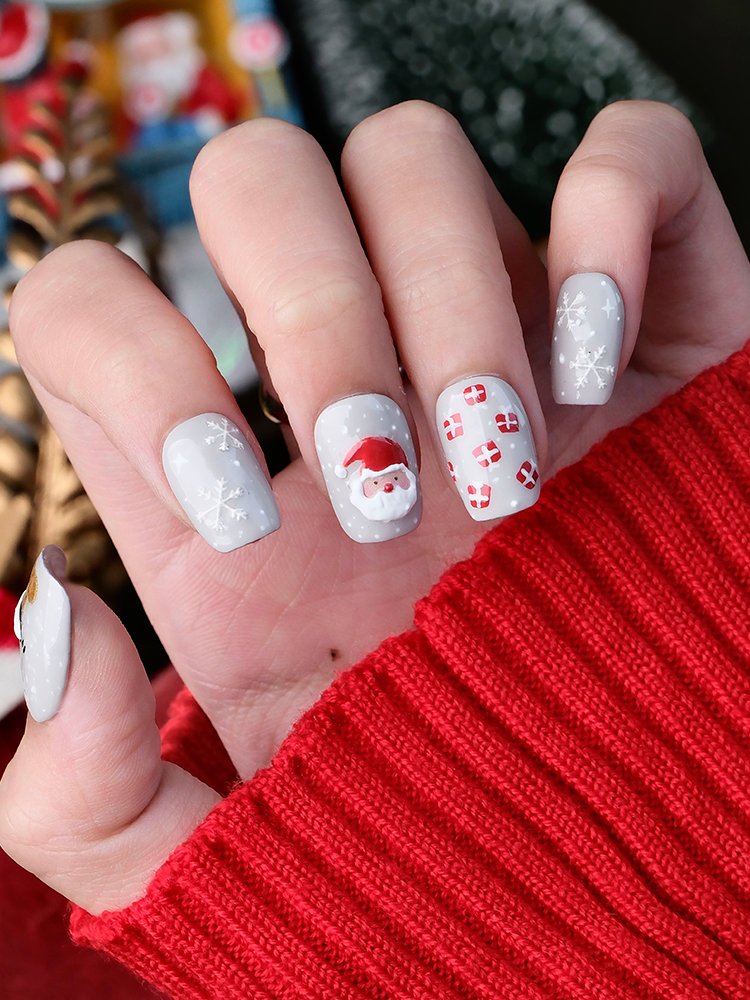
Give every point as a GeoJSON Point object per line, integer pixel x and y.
{"type": "Point", "coordinates": [445, 285]}
{"type": "Point", "coordinates": [314, 300]}
{"type": "Point", "coordinates": [21, 835]}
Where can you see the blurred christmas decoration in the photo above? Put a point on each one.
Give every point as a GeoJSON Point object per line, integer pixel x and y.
{"type": "Point", "coordinates": [524, 77]}
{"type": "Point", "coordinates": [103, 108]}
{"type": "Point", "coordinates": [41, 498]}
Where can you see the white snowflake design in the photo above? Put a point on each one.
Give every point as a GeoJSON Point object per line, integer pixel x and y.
{"type": "Point", "coordinates": [587, 363]}
{"type": "Point", "coordinates": [225, 435]}
{"type": "Point", "coordinates": [220, 496]}
{"type": "Point", "coordinates": [573, 312]}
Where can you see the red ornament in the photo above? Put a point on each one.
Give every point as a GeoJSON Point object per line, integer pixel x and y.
{"type": "Point", "coordinates": [453, 426]}
{"type": "Point", "coordinates": [452, 471]}
{"type": "Point", "coordinates": [259, 43]}
{"type": "Point", "coordinates": [528, 475]}
{"type": "Point", "coordinates": [474, 394]}
{"type": "Point", "coordinates": [480, 495]}
{"type": "Point", "coordinates": [507, 423]}
{"type": "Point", "coordinates": [487, 453]}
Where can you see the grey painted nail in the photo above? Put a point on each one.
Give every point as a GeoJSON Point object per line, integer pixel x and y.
{"type": "Point", "coordinates": [369, 464]}
{"type": "Point", "coordinates": [489, 447]}
{"type": "Point", "coordinates": [219, 483]}
{"type": "Point", "coordinates": [586, 339]}
{"type": "Point", "coordinates": [42, 626]}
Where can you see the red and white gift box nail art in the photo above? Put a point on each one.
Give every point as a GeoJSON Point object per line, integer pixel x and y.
{"type": "Point", "coordinates": [488, 446]}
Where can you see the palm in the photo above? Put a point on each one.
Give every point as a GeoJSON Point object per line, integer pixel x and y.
{"type": "Point", "coordinates": [308, 602]}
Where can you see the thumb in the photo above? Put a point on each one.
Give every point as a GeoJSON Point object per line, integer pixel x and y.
{"type": "Point", "coordinates": [87, 804]}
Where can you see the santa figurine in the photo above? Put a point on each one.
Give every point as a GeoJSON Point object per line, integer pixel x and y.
{"type": "Point", "coordinates": [383, 488]}
{"type": "Point", "coordinates": [170, 90]}
{"type": "Point", "coordinates": [27, 78]}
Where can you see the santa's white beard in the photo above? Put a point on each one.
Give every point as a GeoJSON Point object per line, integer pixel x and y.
{"type": "Point", "coordinates": [175, 75]}
{"type": "Point", "coordinates": [384, 506]}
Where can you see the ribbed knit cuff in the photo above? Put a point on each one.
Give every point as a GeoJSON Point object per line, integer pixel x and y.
{"type": "Point", "coordinates": [541, 791]}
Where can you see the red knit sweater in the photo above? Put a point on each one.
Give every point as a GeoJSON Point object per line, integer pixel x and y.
{"type": "Point", "coordinates": [543, 790]}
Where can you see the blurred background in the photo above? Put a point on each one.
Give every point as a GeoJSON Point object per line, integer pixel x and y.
{"type": "Point", "coordinates": [103, 108]}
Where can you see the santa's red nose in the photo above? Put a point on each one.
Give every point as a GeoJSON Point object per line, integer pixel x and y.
{"type": "Point", "coordinates": [387, 487]}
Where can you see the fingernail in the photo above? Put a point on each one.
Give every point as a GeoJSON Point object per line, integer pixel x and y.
{"type": "Point", "coordinates": [219, 483]}
{"type": "Point", "coordinates": [586, 340]}
{"type": "Point", "coordinates": [42, 626]}
{"type": "Point", "coordinates": [488, 445]}
{"type": "Point", "coordinates": [369, 464]}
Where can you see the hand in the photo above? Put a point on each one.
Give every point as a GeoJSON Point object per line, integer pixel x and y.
{"type": "Point", "coordinates": [259, 632]}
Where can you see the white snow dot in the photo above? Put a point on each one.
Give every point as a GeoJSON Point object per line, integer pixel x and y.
{"type": "Point", "coordinates": [358, 430]}
{"type": "Point", "coordinates": [562, 393]}
{"type": "Point", "coordinates": [319, 447]}
{"type": "Point", "coordinates": [604, 283]}
{"type": "Point", "coordinates": [393, 427]}
{"type": "Point", "coordinates": [235, 462]}
{"type": "Point", "coordinates": [561, 358]}
{"type": "Point", "coordinates": [514, 503]}
{"type": "Point", "coordinates": [377, 537]}
{"type": "Point", "coordinates": [619, 318]}
{"type": "Point", "coordinates": [513, 446]}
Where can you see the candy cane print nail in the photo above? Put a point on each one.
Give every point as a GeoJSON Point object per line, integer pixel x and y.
{"type": "Point", "coordinates": [488, 445]}
{"type": "Point", "coordinates": [218, 482]}
{"type": "Point", "coordinates": [369, 465]}
{"type": "Point", "coordinates": [42, 626]}
{"type": "Point", "coordinates": [586, 339]}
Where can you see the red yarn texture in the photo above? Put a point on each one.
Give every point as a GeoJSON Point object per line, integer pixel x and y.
{"type": "Point", "coordinates": [543, 790]}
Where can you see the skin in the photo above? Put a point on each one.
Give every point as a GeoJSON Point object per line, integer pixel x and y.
{"type": "Point", "coordinates": [385, 484]}
{"type": "Point", "coordinates": [451, 279]}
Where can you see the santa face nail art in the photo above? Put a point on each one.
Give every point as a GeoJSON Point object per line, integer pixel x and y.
{"type": "Point", "coordinates": [42, 626]}
{"type": "Point", "coordinates": [218, 482]}
{"type": "Point", "coordinates": [369, 464]}
{"type": "Point", "coordinates": [586, 339]}
{"type": "Point", "coordinates": [488, 445]}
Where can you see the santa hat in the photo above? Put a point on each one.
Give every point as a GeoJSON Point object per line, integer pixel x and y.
{"type": "Point", "coordinates": [24, 30]}
{"type": "Point", "coordinates": [378, 455]}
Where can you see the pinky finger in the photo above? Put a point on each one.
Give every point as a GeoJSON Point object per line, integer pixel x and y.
{"type": "Point", "coordinates": [87, 804]}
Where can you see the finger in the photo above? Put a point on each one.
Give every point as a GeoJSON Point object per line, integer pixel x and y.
{"type": "Point", "coordinates": [116, 349]}
{"type": "Point", "coordinates": [637, 205]}
{"type": "Point", "coordinates": [284, 243]}
{"type": "Point", "coordinates": [420, 197]}
{"type": "Point", "coordinates": [86, 803]}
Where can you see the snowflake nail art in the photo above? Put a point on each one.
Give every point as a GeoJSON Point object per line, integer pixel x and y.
{"type": "Point", "coordinates": [587, 365]}
{"type": "Point", "coordinates": [227, 436]}
{"type": "Point", "coordinates": [214, 516]}
{"type": "Point", "coordinates": [586, 340]}
{"type": "Point", "coordinates": [218, 482]}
